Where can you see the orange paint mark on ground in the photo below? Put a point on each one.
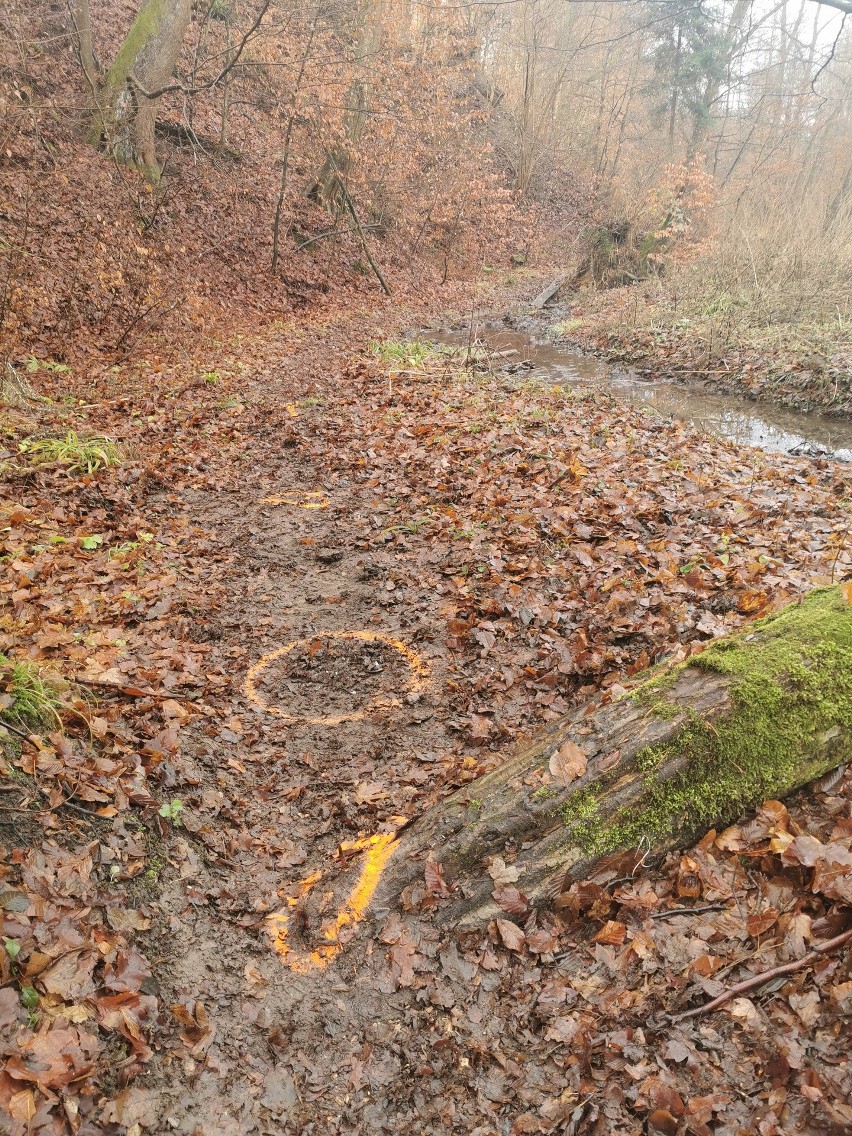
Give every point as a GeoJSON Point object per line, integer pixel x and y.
{"type": "Point", "coordinates": [379, 850]}
{"type": "Point", "coordinates": [418, 668]}
{"type": "Point", "coordinates": [299, 499]}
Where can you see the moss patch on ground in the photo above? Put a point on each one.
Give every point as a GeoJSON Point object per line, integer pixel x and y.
{"type": "Point", "coordinates": [790, 722]}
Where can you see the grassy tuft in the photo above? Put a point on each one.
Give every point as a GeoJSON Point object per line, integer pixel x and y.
{"type": "Point", "coordinates": [28, 697]}
{"type": "Point", "coordinates": [80, 455]}
{"type": "Point", "coordinates": [411, 353]}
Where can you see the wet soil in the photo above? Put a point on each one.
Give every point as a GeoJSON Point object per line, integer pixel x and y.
{"type": "Point", "coordinates": [410, 1030]}
{"type": "Point", "coordinates": [268, 801]}
{"type": "Point", "coordinates": [338, 677]}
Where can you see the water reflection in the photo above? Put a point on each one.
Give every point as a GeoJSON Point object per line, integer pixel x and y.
{"type": "Point", "coordinates": [729, 416]}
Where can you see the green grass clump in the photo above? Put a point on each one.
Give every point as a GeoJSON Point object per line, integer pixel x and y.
{"type": "Point", "coordinates": [80, 455]}
{"type": "Point", "coordinates": [411, 353]}
{"type": "Point", "coordinates": [28, 697]}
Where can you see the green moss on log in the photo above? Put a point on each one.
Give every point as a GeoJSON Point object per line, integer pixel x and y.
{"type": "Point", "coordinates": [790, 721]}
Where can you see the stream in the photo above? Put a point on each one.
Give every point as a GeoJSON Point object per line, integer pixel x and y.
{"type": "Point", "coordinates": [748, 423]}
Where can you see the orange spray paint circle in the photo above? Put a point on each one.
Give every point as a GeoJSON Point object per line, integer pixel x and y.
{"type": "Point", "coordinates": [299, 499]}
{"type": "Point", "coordinates": [418, 671]}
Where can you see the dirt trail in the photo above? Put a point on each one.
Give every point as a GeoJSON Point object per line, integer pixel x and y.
{"type": "Point", "coordinates": [408, 1029]}
{"type": "Point", "coordinates": [271, 800]}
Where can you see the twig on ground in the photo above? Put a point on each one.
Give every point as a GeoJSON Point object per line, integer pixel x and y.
{"type": "Point", "coordinates": [130, 691]}
{"type": "Point", "coordinates": [767, 976]}
{"type": "Point", "coordinates": [18, 732]}
{"type": "Point", "coordinates": [69, 804]}
{"type": "Point", "coordinates": [673, 911]}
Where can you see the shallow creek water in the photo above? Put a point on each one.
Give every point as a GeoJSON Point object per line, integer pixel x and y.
{"type": "Point", "coordinates": [742, 421]}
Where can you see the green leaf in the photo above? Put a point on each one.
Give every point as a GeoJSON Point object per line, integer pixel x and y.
{"type": "Point", "coordinates": [13, 949]}
{"type": "Point", "coordinates": [171, 810]}
{"type": "Point", "coordinates": [29, 996]}
{"type": "Point", "coordinates": [90, 542]}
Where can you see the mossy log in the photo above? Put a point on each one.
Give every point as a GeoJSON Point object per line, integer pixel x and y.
{"type": "Point", "coordinates": [690, 747]}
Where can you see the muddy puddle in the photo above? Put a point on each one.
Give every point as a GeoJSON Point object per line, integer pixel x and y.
{"type": "Point", "coordinates": [742, 421]}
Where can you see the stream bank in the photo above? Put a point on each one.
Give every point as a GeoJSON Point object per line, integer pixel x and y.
{"type": "Point", "coordinates": [777, 429]}
{"type": "Point", "coordinates": [662, 333]}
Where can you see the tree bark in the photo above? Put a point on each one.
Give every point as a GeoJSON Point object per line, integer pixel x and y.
{"type": "Point", "coordinates": [126, 118]}
{"type": "Point", "coordinates": [82, 19]}
{"type": "Point", "coordinates": [691, 747]}
{"type": "Point", "coordinates": [546, 294]}
{"type": "Point", "coordinates": [327, 188]}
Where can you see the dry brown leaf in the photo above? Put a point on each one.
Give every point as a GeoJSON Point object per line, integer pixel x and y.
{"type": "Point", "coordinates": [568, 763]}
{"type": "Point", "coordinates": [511, 934]}
{"type": "Point", "coordinates": [511, 900]}
{"type": "Point", "coordinates": [434, 875]}
{"type": "Point", "coordinates": [612, 934]}
{"type": "Point", "coordinates": [501, 872]}
{"type": "Point", "coordinates": [70, 977]}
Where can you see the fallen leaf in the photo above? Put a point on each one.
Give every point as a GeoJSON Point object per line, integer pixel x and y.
{"type": "Point", "coordinates": [611, 934]}
{"type": "Point", "coordinates": [568, 763]}
{"type": "Point", "coordinates": [511, 900]}
{"type": "Point", "coordinates": [512, 935]}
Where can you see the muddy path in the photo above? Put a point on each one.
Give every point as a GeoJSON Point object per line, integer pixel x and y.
{"type": "Point", "coordinates": [271, 796]}
{"type": "Point", "coordinates": [349, 705]}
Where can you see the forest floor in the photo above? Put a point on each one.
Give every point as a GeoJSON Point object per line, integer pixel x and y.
{"type": "Point", "coordinates": [800, 362]}
{"type": "Point", "coordinates": [322, 590]}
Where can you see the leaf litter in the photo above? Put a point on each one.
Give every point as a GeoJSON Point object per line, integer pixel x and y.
{"type": "Point", "coordinates": [534, 547]}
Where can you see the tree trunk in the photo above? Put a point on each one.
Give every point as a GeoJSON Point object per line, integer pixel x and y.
{"type": "Point", "coordinates": [691, 747]}
{"type": "Point", "coordinates": [82, 19]}
{"type": "Point", "coordinates": [327, 188]}
{"type": "Point", "coordinates": [146, 61]}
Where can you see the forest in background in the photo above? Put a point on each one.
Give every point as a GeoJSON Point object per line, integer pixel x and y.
{"type": "Point", "coordinates": [704, 145]}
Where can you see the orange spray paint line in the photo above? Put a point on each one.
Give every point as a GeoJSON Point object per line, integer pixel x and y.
{"type": "Point", "coordinates": [378, 851]}
{"type": "Point", "coordinates": [299, 499]}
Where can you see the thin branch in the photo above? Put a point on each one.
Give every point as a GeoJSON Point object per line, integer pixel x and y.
{"type": "Point", "coordinates": [767, 976]}
{"type": "Point", "coordinates": [351, 207]}
{"type": "Point", "coordinates": [830, 57]}
{"type": "Point", "coordinates": [673, 911]}
{"type": "Point", "coordinates": [20, 733]}
{"type": "Point", "coordinates": [137, 86]}
{"type": "Point", "coordinates": [330, 233]}
{"type": "Point", "coordinates": [840, 5]}
{"type": "Point", "coordinates": [285, 160]}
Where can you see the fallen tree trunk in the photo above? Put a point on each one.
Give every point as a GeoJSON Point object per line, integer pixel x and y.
{"type": "Point", "coordinates": [546, 295]}
{"type": "Point", "coordinates": [693, 746]}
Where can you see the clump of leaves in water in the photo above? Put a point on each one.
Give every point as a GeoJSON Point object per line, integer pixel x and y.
{"type": "Point", "coordinates": [80, 455]}
{"type": "Point", "coordinates": [29, 697]}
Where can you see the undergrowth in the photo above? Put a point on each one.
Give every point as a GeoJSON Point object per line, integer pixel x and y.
{"type": "Point", "coordinates": [412, 353]}
{"type": "Point", "coordinates": [29, 697]}
{"type": "Point", "coordinates": [80, 455]}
